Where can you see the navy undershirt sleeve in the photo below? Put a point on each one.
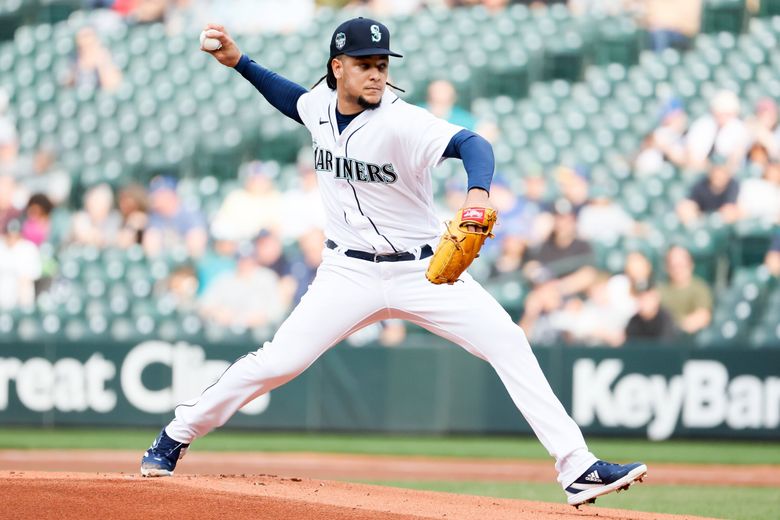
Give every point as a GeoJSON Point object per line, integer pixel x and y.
{"type": "Point", "coordinates": [282, 93]}
{"type": "Point", "coordinates": [477, 156]}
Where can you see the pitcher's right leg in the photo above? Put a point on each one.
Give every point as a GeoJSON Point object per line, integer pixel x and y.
{"type": "Point", "coordinates": [343, 297]}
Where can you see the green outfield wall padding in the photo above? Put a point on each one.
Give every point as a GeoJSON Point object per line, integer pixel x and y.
{"type": "Point", "coordinates": [649, 391]}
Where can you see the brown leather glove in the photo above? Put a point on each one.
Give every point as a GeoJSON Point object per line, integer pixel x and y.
{"type": "Point", "coordinates": [459, 246]}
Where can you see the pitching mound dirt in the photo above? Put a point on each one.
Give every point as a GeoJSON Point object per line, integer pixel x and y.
{"type": "Point", "coordinates": [80, 496]}
{"type": "Point", "coordinates": [373, 467]}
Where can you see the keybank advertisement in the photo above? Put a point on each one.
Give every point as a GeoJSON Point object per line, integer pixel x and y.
{"type": "Point", "coordinates": [702, 396]}
{"type": "Point", "coordinates": [657, 393]}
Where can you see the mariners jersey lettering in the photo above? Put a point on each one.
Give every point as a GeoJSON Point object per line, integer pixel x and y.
{"type": "Point", "coordinates": [374, 177]}
{"type": "Point", "coordinates": [346, 168]}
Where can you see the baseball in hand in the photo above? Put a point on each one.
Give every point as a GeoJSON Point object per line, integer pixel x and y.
{"type": "Point", "coordinates": [209, 44]}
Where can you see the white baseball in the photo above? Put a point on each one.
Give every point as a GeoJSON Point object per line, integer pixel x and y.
{"type": "Point", "coordinates": [209, 44]}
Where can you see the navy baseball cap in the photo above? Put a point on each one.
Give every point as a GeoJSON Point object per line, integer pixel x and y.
{"type": "Point", "coordinates": [361, 37]}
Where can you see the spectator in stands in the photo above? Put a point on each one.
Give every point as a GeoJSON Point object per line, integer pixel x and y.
{"type": "Point", "coordinates": [520, 227]}
{"type": "Point", "coordinates": [20, 268]}
{"type": "Point", "coordinates": [255, 206]}
{"type": "Point", "coordinates": [305, 266]}
{"type": "Point", "coordinates": [269, 253]}
{"type": "Point", "coordinates": [8, 195]}
{"type": "Point", "coordinates": [687, 297]}
{"type": "Point", "coordinates": [714, 193]}
{"type": "Point", "coordinates": [37, 219]}
{"type": "Point", "coordinates": [671, 23]}
{"type": "Point", "coordinates": [574, 186]}
{"type": "Point", "coordinates": [651, 321]}
{"type": "Point", "coordinates": [597, 320]}
{"type": "Point", "coordinates": [133, 204]}
{"type": "Point", "coordinates": [301, 202]}
{"type": "Point", "coordinates": [98, 223]}
{"type": "Point", "coordinates": [637, 272]}
{"type": "Point", "coordinates": [232, 299]}
{"type": "Point", "coordinates": [604, 220]}
{"type": "Point", "coordinates": [494, 7]}
{"type": "Point", "coordinates": [533, 222]}
{"type": "Point", "coordinates": [218, 259]}
{"type": "Point", "coordinates": [182, 287]}
{"type": "Point", "coordinates": [757, 156]}
{"type": "Point", "coordinates": [760, 198]}
{"type": "Point", "coordinates": [93, 65]}
{"type": "Point", "coordinates": [611, 302]}
{"type": "Point", "coordinates": [441, 100]}
{"type": "Point", "coordinates": [765, 130]}
{"type": "Point", "coordinates": [171, 224]}
{"type": "Point", "coordinates": [667, 142]}
{"type": "Point", "coordinates": [772, 260]}
{"type": "Point", "coordinates": [720, 133]}
{"type": "Point", "coordinates": [561, 267]}
{"type": "Point", "coordinates": [509, 258]}
{"type": "Point", "coordinates": [47, 176]}
{"type": "Point", "coordinates": [141, 11]}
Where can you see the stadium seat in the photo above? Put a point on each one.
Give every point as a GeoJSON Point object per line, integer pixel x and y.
{"type": "Point", "coordinates": [723, 15]}
{"type": "Point", "coordinates": [617, 41]}
{"type": "Point", "coordinates": [10, 20]}
{"type": "Point", "coordinates": [769, 8]}
{"type": "Point", "coordinates": [53, 11]}
{"type": "Point", "coordinates": [751, 241]}
{"type": "Point", "coordinates": [564, 58]}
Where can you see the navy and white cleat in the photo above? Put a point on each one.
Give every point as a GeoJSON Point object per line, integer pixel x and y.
{"type": "Point", "coordinates": [161, 457]}
{"type": "Point", "coordinates": [602, 478]}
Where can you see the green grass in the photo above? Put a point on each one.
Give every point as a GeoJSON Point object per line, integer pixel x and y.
{"type": "Point", "coordinates": [707, 452]}
{"type": "Point", "coordinates": [738, 503]}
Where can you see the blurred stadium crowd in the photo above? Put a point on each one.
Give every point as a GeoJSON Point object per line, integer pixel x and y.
{"type": "Point", "coordinates": [147, 192]}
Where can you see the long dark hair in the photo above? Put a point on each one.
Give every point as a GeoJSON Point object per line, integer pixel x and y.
{"type": "Point", "coordinates": [330, 78]}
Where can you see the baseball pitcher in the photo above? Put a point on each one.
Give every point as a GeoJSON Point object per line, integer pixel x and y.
{"type": "Point", "coordinates": [385, 256]}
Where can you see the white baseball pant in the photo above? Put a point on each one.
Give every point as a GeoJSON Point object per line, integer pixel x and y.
{"type": "Point", "coordinates": [348, 294]}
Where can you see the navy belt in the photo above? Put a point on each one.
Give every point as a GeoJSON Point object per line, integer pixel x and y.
{"type": "Point", "coordinates": [403, 256]}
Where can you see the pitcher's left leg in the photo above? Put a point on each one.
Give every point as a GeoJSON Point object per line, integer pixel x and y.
{"type": "Point", "coordinates": [469, 316]}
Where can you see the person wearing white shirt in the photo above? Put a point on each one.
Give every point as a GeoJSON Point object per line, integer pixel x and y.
{"type": "Point", "coordinates": [760, 198]}
{"type": "Point", "coordinates": [721, 132]}
{"type": "Point", "coordinates": [20, 267]}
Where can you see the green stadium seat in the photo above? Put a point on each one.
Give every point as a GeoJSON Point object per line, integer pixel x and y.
{"type": "Point", "coordinates": [726, 333]}
{"type": "Point", "coordinates": [7, 325]}
{"type": "Point", "coordinates": [507, 74]}
{"type": "Point", "coordinates": [144, 326]}
{"type": "Point", "coordinates": [10, 20]}
{"type": "Point", "coordinates": [751, 242]}
{"type": "Point", "coordinates": [564, 57]}
{"type": "Point", "coordinates": [766, 335]}
{"type": "Point", "coordinates": [769, 8]}
{"type": "Point", "coordinates": [723, 16]}
{"type": "Point", "coordinates": [617, 41]}
{"type": "Point", "coordinates": [76, 329]}
{"type": "Point", "coordinates": [53, 11]}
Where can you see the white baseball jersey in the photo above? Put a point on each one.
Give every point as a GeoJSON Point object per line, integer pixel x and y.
{"type": "Point", "coordinates": [375, 176]}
